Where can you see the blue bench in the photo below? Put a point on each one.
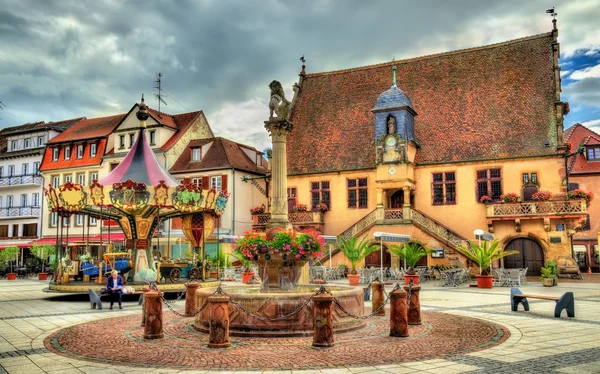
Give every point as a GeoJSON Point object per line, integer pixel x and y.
{"type": "Point", "coordinates": [566, 301]}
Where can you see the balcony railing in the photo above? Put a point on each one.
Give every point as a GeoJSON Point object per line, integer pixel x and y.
{"type": "Point", "coordinates": [537, 209]}
{"type": "Point", "coordinates": [17, 180]}
{"type": "Point", "coordinates": [20, 211]}
{"type": "Point", "coordinates": [296, 218]}
{"type": "Point", "coordinates": [393, 214]}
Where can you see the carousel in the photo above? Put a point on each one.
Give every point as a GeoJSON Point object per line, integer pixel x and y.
{"type": "Point", "coordinates": [139, 194]}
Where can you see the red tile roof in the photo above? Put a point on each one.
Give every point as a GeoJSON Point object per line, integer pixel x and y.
{"type": "Point", "coordinates": [34, 126]}
{"type": "Point", "coordinates": [575, 136]}
{"type": "Point", "coordinates": [90, 128]}
{"type": "Point", "coordinates": [73, 162]}
{"type": "Point", "coordinates": [482, 103]}
{"type": "Point", "coordinates": [182, 121]}
{"type": "Point", "coordinates": [222, 154]}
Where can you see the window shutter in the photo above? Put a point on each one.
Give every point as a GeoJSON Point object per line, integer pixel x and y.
{"type": "Point", "coordinates": [224, 182]}
{"type": "Point", "coordinates": [206, 183]}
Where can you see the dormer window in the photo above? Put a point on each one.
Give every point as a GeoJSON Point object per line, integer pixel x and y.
{"type": "Point", "coordinates": [196, 154]}
{"type": "Point", "coordinates": [67, 153]}
{"type": "Point", "coordinates": [26, 143]}
{"type": "Point", "coordinates": [121, 141]}
{"type": "Point", "coordinates": [93, 147]}
{"type": "Point", "coordinates": [593, 153]}
{"type": "Point", "coordinates": [80, 151]}
{"type": "Point", "coordinates": [55, 154]}
{"type": "Point", "coordinates": [13, 145]}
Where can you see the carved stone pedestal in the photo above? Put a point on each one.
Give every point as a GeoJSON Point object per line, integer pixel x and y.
{"type": "Point", "coordinates": [153, 328]}
{"type": "Point", "coordinates": [414, 306]}
{"type": "Point", "coordinates": [145, 290]}
{"type": "Point", "coordinates": [323, 320]}
{"type": "Point", "coordinates": [378, 299]}
{"type": "Point", "coordinates": [398, 314]}
{"type": "Point", "coordinates": [190, 298]}
{"type": "Point", "coordinates": [218, 322]}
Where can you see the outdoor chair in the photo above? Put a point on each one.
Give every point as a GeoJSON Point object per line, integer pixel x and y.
{"type": "Point", "coordinates": [440, 278]}
{"type": "Point", "coordinates": [514, 278]}
{"type": "Point", "coordinates": [365, 276]}
{"type": "Point", "coordinates": [524, 276]}
{"type": "Point", "coordinates": [499, 277]}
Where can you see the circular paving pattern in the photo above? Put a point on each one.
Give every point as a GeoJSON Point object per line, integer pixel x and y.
{"type": "Point", "coordinates": [120, 341]}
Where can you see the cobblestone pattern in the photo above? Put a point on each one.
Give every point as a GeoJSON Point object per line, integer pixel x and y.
{"type": "Point", "coordinates": [23, 352]}
{"type": "Point", "coordinates": [185, 348]}
{"type": "Point", "coordinates": [52, 314]}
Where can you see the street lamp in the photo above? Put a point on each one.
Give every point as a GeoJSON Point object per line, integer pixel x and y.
{"type": "Point", "coordinates": [329, 239]}
{"type": "Point", "coordinates": [580, 151]}
{"type": "Point", "coordinates": [480, 234]}
{"type": "Point", "coordinates": [388, 237]}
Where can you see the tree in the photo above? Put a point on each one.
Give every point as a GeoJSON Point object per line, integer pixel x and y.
{"type": "Point", "coordinates": [411, 253]}
{"type": "Point", "coordinates": [9, 255]}
{"type": "Point", "coordinates": [43, 251]}
{"type": "Point", "coordinates": [356, 251]}
{"type": "Point", "coordinates": [483, 255]}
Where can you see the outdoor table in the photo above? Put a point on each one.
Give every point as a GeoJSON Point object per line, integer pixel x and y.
{"type": "Point", "coordinates": [451, 277]}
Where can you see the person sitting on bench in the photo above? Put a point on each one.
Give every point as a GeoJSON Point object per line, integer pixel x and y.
{"type": "Point", "coordinates": [114, 285]}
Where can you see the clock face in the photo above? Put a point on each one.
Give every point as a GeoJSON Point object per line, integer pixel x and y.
{"type": "Point", "coordinates": [390, 141]}
{"type": "Point", "coordinates": [392, 170]}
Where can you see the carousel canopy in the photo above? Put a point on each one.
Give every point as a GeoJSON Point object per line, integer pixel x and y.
{"type": "Point", "coordinates": [140, 165]}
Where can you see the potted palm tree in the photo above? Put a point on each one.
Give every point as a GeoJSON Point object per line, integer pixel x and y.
{"type": "Point", "coordinates": [411, 253]}
{"type": "Point", "coordinates": [355, 251]}
{"type": "Point", "coordinates": [548, 275]}
{"type": "Point", "coordinates": [483, 255]}
{"type": "Point", "coordinates": [43, 251]}
{"type": "Point", "coordinates": [8, 255]}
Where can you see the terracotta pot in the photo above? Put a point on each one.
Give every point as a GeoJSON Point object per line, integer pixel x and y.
{"type": "Point", "coordinates": [548, 282]}
{"type": "Point", "coordinates": [416, 279]}
{"type": "Point", "coordinates": [353, 279]}
{"type": "Point", "coordinates": [213, 274]}
{"type": "Point", "coordinates": [42, 276]}
{"type": "Point", "coordinates": [246, 276]}
{"type": "Point", "coordinates": [11, 276]}
{"type": "Point", "coordinates": [485, 281]}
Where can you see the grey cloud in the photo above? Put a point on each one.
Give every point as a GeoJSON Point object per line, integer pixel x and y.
{"type": "Point", "coordinates": [585, 91]}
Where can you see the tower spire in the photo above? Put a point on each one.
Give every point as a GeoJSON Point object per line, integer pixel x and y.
{"type": "Point", "coordinates": [394, 76]}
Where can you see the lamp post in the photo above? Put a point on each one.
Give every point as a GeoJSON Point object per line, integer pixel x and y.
{"type": "Point", "coordinates": [580, 151]}
{"type": "Point", "coordinates": [329, 239]}
{"type": "Point", "coordinates": [480, 234]}
{"type": "Point", "coordinates": [388, 237]}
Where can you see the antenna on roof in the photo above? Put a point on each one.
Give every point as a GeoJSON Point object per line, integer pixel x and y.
{"type": "Point", "coordinates": [2, 105]}
{"type": "Point", "coordinates": [159, 94]}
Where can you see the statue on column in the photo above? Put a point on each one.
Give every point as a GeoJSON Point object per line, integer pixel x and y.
{"type": "Point", "coordinates": [278, 103]}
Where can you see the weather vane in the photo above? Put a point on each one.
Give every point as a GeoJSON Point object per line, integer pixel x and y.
{"type": "Point", "coordinates": [303, 60]}
{"type": "Point", "coordinates": [552, 13]}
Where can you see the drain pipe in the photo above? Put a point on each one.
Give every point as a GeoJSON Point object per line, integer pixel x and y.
{"type": "Point", "coordinates": [233, 202]}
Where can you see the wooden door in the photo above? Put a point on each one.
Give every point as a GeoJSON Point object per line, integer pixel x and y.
{"type": "Point", "coordinates": [374, 259]}
{"type": "Point", "coordinates": [291, 204]}
{"type": "Point", "coordinates": [530, 256]}
{"type": "Point", "coordinates": [397, 200]}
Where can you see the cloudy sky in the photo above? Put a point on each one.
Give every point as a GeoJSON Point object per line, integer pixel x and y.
{"type": "Point", "coordinates": [68, 58]}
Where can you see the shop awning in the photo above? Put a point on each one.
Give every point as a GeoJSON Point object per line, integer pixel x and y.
{"type": "Point", "coordinates": [16, 244]}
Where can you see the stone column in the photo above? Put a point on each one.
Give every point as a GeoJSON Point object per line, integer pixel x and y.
{"type": "Point", "coordinates": [190, 298]}
{"type": "Point", "coordinates": [279, 129]}
{"type": "Point", "coordinates": [154, 316]}
{"type": "Point", "coordinates": [414, 306]}
{"type": "Point", "coordinates": [218, 323]}
{"type": "Point", "coordinates": [406, 206]}
{"type": "Point", "coordinates": [398, 314]}
{"type": "Point", "coordinates": [145, 290]}
{"type": "Point", "coordinates": [378, 298]}
{"type": "Point", "coordinates": [323, 320]}
{"type": "Point", "coordinates": [380, 198]}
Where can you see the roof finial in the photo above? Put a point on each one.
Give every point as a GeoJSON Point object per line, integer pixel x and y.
{"type": "Point", "coordinates": [142, 113]}
{"type": "Point", "coordinates": [394, 76]}
{"type": "Point", "coordinates": [303, 60]}
{"type": "Point", "coordinates": [553, 14]}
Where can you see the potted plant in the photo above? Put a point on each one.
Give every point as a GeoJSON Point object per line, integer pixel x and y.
{"type": "Point", "coordinates": [541, 196]}
{"type": "Point", "coordinates": [247, 273]}
{"type": "Point", "coordinates": [258, 209]}
{"type": "Point", "coordinates": [411, 253]}
{"type": "Point", "coordinates": [483, 255]}
{"type": "Point", "coordinates": [581, 194]}
{"type": "Point", "coordinates": [485, 199]}
{"type": "Point", "coordinates": [549, 274]}
{"type": "Point", "coordinates": [43, 251]}
{"type": "Point", "coordinates": [322, 207]}
{"type": "Point", "coordinates": [8, 255]}
{"type": "Point", "coordinates": [510, 197]}
{"type": "Point", "coordinates": [300, 208]}
{"type": "Point", "coordinates": [355, 251]}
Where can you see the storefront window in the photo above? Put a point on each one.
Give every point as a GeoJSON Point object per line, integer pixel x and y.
{"type": "Point", "coordinates": [580, 254]}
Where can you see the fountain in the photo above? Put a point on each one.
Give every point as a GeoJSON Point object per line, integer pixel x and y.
{"type": "Point", "coordinates": [280, 256]}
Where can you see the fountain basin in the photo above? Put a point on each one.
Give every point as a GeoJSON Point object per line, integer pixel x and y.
{"type": "Point", "coordinates": [274, 304]}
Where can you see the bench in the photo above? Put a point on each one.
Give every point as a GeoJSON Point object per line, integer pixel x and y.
{"type": "Point", "coordinates": [566, 301]}
{"type": "Point", "coordinates": [96, 298]}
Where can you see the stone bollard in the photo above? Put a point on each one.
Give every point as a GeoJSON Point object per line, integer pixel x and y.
{"type": "Point", "coordinates": [378, 298]}
{"type": "Point", "coordinates": [153, 328]}
{"type": "Point", "coordinates": [218, 323]}
{"type": "Point", "coordinates": [145, 290]}
{"type": "Point", "coordinates": [398, 314]}
{"type": "Point", "coordinates": [323, 320]}
{"type": "Point", "coordinates": [190, 298]}
{"type": "Point", "coordinates": [414, 306]}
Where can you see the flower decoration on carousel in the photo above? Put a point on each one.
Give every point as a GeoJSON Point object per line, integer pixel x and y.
{"type": "Point", "coordinates": [97, 193]}
{"type": "Point", "coordinates": [72, 197]}
{"type": "Point", "coordinates": [51, 198]}
{"type": "Point", "coordinates": [288, 245]}
{"type": "Point", "coordinates": [129, 196]}
{"type": "Point", "coordinates": [187, 197]}
{"type": "Point", "coordinates": [221, 201]}
{"type": "Point", "coordinates": [161, 193]}
{"type": "Point", "coordinates": [541, 196]}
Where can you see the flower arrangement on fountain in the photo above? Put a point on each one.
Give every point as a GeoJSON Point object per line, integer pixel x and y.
{"type": "Point", "coordinates": [580, 194]}
{"type": "Point", "coordinates": [542, 196]}
{"type": "Point", "coordinates": [510, 197]}
{"type": "Point", "coordinates": [280, 258]}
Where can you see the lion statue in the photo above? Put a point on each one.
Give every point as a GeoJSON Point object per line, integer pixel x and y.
{"type": "Point", "coordinates": [278, 103]}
